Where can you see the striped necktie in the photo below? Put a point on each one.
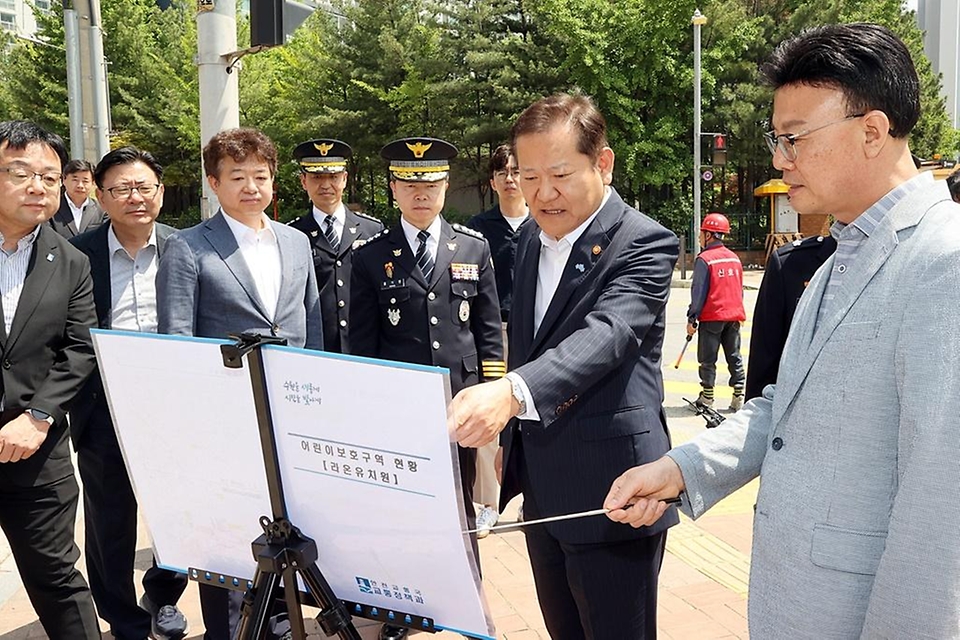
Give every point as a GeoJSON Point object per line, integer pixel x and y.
{"type": "Point", "coordinates": [331, 234]}
{"type": "Point", "coordinates": [424, 261]}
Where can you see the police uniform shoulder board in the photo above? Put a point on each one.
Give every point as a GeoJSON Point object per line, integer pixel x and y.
{"type": "Point", "coordinates": [367, 217]}
{"type": "Point", "coordinates": [359, 244]}
{"type": "Point", "coordinates": [467, 230]}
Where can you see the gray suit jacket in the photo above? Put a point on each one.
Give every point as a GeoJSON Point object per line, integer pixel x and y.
{"type": "Point", "coordinates": [857, 446]}
{"type": "Point", "coordinates": [205, 289]}
{"type": "Point", "coordinates": [62, 221]}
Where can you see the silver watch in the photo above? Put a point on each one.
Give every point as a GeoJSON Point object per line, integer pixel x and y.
{"type": "Point", "coordinates": [517, 392]}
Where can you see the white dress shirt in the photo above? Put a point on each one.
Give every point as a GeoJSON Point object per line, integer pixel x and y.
{"type": "Point", "coordinates": [553, 260]}
{"type": "Point", "coordinates": [13, 273]}
{"type": "Point", "coordinates": [133, 288]}
{"type": "Point", "coordinates": [339, 219]}
{"type": "Point", "coordinates": [77, 211]}
{"type": "Point", "coordinates": [410, 232]}
{"type": "Point", "coordinates": [262, 254]}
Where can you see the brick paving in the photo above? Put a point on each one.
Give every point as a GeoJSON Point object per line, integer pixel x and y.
{"type": "Point", "coordinates": [703, 584]}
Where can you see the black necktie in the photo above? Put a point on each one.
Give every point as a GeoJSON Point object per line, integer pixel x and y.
{"type": "Point", "coordinates": [331, 234]}
{"type": "Point", "coordinates": [424, 261]}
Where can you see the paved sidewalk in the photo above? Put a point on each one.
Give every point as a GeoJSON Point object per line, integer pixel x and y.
{"type": "Point", "coordinates": [703, 584]}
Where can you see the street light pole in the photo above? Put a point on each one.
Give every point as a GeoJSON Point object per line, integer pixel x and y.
{"type": "Point", "coordinates": [698, 21]}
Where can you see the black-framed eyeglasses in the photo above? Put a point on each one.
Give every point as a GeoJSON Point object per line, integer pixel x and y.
{"type": "Point", "coordinates": [787, 142]}
{"type": "Point", "coordinates": [18, 176]}
{"type": "Point", "coordinates": [146, 191]}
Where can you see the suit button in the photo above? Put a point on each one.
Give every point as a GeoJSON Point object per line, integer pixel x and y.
{"type": "Point", "coordinates": [339, 283]}
{"type": "Point", "coordinates": [339, 263]}
{"type": "Point", "coordinates": [431, 296]}
{"type": "Point", "coordinates": [434, 320]}
{"type": "Point", "coordinates": [6, 364]}
{"type": "Point", "coordinates": [777, 444]}
{"type": "Point", "coordinates": [343, 323]}
{"type": "Point", "coordinates": [436, 345]}
{"type": "Point", "coordinates": [341, 304]}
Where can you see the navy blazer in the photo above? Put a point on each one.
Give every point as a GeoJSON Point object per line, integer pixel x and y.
{"type": "Point", "coordinates": [91, 403]}
{"type": "Point", "coordinates": [593, 369]}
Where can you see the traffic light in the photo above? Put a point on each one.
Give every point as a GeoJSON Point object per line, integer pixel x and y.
{"type": "Point", "coordinates": [719, 149]}
{"type": "Point", "coordinates": [273, 21]}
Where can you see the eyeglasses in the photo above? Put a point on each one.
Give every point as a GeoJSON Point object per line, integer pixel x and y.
{"type": "Point", "coordinates": [503, 173]}
{"type": "Point", "coordinates": [787, 142]}
{"type": "Point", "coordinates": [18, 176]}
{"type": "Point", "coordinates": [146, 191]}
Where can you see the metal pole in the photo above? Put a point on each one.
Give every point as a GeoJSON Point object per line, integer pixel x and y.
{"type": "Point", "coordinates": [74, 88]}
{"type": "Point", "coordinates": [98, 69]}
{"type": "Point", "coordinates": [698, 20]}
{"type": "Point", "coordinates": [219, 90]}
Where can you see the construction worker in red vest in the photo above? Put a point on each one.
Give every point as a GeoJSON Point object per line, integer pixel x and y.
{"type": "Point", "coordinates": [716, 310]}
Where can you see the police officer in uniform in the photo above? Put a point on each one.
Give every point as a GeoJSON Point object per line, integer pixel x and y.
{"type": "Point", "coordinates": [424, 291]}
{"type": "Point", "coordinates": [787, 274]}
{"type": "Point", "coordinates": [334, 232]}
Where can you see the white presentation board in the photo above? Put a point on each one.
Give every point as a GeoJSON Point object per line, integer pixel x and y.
{"type": "Point", "coordinates": [368, 468]}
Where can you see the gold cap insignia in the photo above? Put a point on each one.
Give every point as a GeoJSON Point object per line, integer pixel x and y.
{"type": "Point", "coordinates": [419, 149]}
{"type": "Point", "coordinates": [324, 149]}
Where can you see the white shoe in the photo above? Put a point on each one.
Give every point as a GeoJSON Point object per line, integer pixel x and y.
{"type": "Point", "coordinates": [487, 517]}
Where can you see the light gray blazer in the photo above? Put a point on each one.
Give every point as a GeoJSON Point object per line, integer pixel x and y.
{"type": "Point", "coordinates": [857, 446]}
{"type": "Point", "coordinates": [205, 289]}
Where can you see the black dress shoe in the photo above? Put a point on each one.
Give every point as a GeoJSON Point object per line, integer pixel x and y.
{"type": "Point", "coordinates": [167, 622]}
{"type": "Point", "coordinates": [389, 632]}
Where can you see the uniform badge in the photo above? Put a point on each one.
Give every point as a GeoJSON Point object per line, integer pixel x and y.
{"type": "Point", "coordinates": [397, 252]}
{"type": "Point", "coordinates": [314, 233]}
{"type": "Point", "coordinates": [596, 249]}
{"type": "Point", "coordinates": [393, 315]}
{"type": "Point", "coordinates": [388, 269]}
{"type": "Point", "coordinates": [579, 267]}
{"type": "Point", "coordinates": [464, 311]}
{"type": "Point", "coordinates": [452, 246]}
{"type": "Point", "coordinates": [353, 230]}
{"type": "Point", "coordinates": [465, 271]}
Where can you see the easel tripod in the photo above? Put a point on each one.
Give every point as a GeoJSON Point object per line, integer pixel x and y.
{"type": "Point", "coordinates": [282, 552]}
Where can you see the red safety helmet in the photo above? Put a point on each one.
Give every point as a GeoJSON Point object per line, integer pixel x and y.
{"type": "Point", "coordinates": [715, 222]}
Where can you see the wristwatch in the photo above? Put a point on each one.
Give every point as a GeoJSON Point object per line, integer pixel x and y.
{"type": "Point", "coordinates": [517, 391]}
{"type": "Point", "coordinates": [36, 414]}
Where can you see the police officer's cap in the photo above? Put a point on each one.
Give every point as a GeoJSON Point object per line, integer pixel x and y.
{"type": "Point", "coordinates": [419, 159]}
{"type": "Point", "coordinates": [322, 156]}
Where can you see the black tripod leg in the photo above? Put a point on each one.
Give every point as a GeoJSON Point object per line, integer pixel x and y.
{"type": "Point", "coordinates": [291, 596]}
{"type": "Point", "coordinates": [253, 625]}
{"type": "Point", "coordinates": [334, 617]}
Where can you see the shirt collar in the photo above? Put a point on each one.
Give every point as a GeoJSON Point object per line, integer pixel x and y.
{"type": "Point", "coordinates": [25, 241]}
{"type": "Point", "coordinates": [571, 238]}
{"type": "Point", "coordinates": [868, 221]}
{"type": "Point", "coordinates": [411, 232]}
{"type": "Point", "coordinates": [74, 207]}
{"type": "Point", "coordinates": [113, 243]}
{"type": "Point", "coordinates": [340, 214]}
{"type": "Point", "coordinates": [242, 231]}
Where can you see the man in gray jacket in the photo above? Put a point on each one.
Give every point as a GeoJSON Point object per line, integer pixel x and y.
{"type": "Point", "coordinates": [857, 443]}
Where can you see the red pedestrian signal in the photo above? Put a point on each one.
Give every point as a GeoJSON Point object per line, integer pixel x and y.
{"type": "Point", "coordinates": [719, 149]}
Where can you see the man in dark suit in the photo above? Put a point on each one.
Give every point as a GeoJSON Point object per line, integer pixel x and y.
{"type": "Point", "coordinates": [78, 212]}
{"type": "Point", "coordinates": [788, 271]}
{"type": "Point", "coordinates": [124, 254]}
{"type": "Point", "coordinates": [424, 291]}
{"type": "Point", "coordinates": [47, 300]}
{"type": "Point", "coordinates": [334, 232]}
{"type": "Point", "coordinates": [586, 332]}
{"type": "Point", "coordinates": [238, 272]}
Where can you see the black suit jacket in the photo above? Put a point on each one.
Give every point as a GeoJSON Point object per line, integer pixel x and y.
{"type": "Point", "coordinates": [787, 273]}
{"type": "Point", "coordinates": [48, 354]}
{"type": "Point", "coordinates": [453, 321]}
{"type": "Point", "coordinates": [503, 247]}
{"type": "Point", "coordinates": [62, 221]}
{"type": "Point", "coordinates": [91, 404]}
{"type": "Point", "coordinates": [333, 272]}
{"type": "Point", "coordinates": [593, 369]}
